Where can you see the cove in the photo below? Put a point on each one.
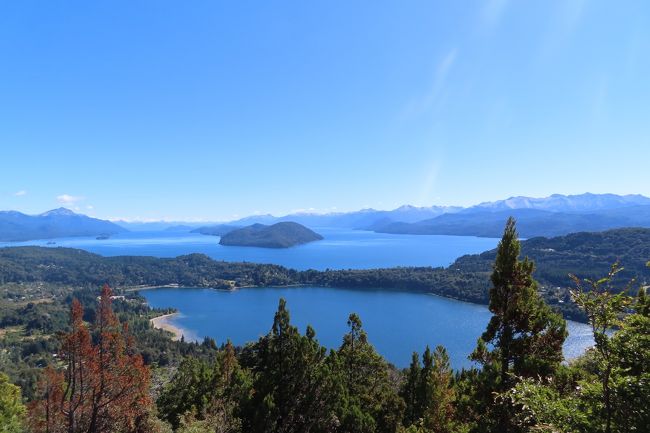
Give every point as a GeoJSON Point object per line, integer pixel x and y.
{"type": "Point", "coordinates": [397, 322]}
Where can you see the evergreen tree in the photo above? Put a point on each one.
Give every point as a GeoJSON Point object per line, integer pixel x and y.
{"type": "Point", "coordinates": [189, 391]}
{"type": "Point", "coordinates": [291, 381]}
{"type": "Point", "coordinates": [369, 401]}
{"type": "Point", "coordinates": [524, 336]}
{"type": "Point", "coordinates": [409, 391]}
{"type": "Point", "coordinates": [200, 395]}
{"type": "Point", "coordinates": [425, 392]}
{"type": "Point", "coordinates": [429, 394]}
{"type": "Point", "coordinates": [438, 414]}
{"type": "Point", "coordinates": [12, 410]}
{"type": "Point", "coordinates": [643, 302]}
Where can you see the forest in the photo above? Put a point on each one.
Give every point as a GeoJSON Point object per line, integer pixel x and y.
{"type": "Point", "coordinates": [78, 359]}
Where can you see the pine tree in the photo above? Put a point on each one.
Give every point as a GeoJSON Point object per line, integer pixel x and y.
{"type": "Point", "coordinates": [189, 391]}
{"type": "Point", "coordinates": [291, 380]}
{"type": "Point", "coordinates": [524, 336]}
{"type": "Point", "coordinates": [429, 394]}
{"type": "Point", "coordinates": [409, 391]}
{"type": "Point", "coordinates": [438, 411]}
{"type": "Point", "coordinates": [424, 391]}
{"type": "Point", "coordinates": [369, 402]}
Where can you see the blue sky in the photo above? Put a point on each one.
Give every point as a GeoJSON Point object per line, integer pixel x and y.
{"type": "Point", "coordinates": [212, 110]}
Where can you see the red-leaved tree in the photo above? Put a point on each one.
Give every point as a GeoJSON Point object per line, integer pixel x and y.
{"type": "Point", "coordinates": [103, 386]}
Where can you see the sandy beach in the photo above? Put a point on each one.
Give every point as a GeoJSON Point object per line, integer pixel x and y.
{"type": "Point", "coordinates": [138, 288]}
{"type": "Point", "coordinates": [162, 322]}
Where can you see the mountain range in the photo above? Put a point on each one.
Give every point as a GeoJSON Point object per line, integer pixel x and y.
{"type": "Point", "coordinates": [549, 216]}
{"type": "Point", "coordinates": [352, 220]}
{"type": "Point", "coordinates": [582, 203]}
{"type": "Point", "coordinates": [530, 222]}
{"type": "Point", "coordinates": [57, 223]}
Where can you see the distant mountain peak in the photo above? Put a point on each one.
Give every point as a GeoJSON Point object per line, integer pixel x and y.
{"type": "Point", "coordinates": [56, 223]}
{"type": "Point", "coordinates": [62, 211]}
{"type": "Point", "coordinates": [586, 202]}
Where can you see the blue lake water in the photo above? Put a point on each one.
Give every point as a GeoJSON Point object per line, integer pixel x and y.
{"type": "Point", "coordinates": [397, 323]}
{"type": "Point", "coordinates": [341, 249]}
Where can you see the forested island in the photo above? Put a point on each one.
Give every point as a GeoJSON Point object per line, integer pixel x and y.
{"type": "Point", "coordinates": [88, 360]}
{"type": "Point", "coordinates": [280, 235]}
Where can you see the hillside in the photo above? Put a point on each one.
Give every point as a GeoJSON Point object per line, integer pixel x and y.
{"type": "Point", "coordinates": [57, 223]}
{"type": "Point", "coordinates": [586, 254]}
{"type": "Point", "coordinates": [280, 235]}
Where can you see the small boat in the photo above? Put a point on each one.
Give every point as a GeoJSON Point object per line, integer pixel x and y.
{"type": "Point", "coordinates": [102, 237]}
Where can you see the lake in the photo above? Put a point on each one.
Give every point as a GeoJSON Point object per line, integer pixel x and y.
{"type": "Point", "coordinates": [397, 323]}
{"type": "Point", "coordinates": [341, 249]}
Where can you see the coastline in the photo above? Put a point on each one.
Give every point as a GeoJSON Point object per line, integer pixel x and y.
{"type": "Point", "coordinates": [145, 287]}
{"type": "Point", "coordinates": [162, 322]}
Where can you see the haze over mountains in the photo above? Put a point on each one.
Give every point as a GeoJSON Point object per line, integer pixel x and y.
{"type": "Point", "coordinates": [549, 216]}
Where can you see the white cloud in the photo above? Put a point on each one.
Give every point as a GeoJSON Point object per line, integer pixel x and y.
{"type": "Point", "coordinates": [68, 199]}
{"type": "Point", "coordinates": [90, 207]}
{"type": "Point", "coordinates": [20, 193]}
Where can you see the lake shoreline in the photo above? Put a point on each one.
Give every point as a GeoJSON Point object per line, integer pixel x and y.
{"type": "Point", "coordinates": [162, 322]}
{"type": "Point", "coordinates": [138, 288]}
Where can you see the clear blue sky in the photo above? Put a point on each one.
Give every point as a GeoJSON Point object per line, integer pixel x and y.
{"type": "Point", "coordinates": [167, 109]}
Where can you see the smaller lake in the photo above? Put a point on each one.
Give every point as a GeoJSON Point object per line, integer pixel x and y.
{"type": "Point", "coordinates": [341, 248]}
{"type": "Point", "coordinates": [397, 323]}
